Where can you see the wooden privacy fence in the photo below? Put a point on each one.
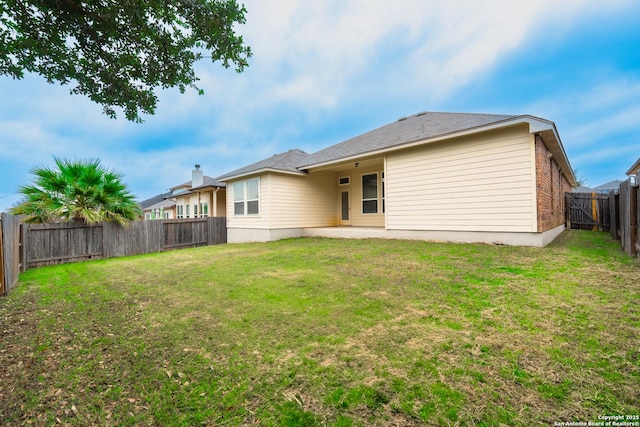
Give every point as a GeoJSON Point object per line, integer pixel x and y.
{"type": "Point", "coordinates": [627, 202]}
{"type": "Point", "coordinates": [616, 212]}
{"type": "Point", "coordinates": [26, 246]}
{"type": "Point", "coordinates": [588, 211]}
{"type": "Point", "coordinates": [10, 249]}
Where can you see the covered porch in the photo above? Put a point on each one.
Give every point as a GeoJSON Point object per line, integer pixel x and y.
{"type": "Point", "coordinates": [355, 192]}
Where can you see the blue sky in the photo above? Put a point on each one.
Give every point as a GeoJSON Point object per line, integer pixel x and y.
{"type": "Point", "coordinates": [326, 71]}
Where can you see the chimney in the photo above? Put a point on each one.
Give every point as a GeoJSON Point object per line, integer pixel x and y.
{"type": "Point", "coordinates": [197, 177]}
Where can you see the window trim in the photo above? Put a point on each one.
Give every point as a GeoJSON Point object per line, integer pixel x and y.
{"type": "Point", "coordinates": [245, 198]}
{"type": "Point", "coordinates": [376, 199]}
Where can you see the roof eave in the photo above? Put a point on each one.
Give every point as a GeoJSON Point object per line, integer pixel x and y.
{"type": "Point", "coordinates": [198, 189]}
{"type": "Point", "coordinates": [413, 143]}
{"type": "Point", "coordinates": [536, 125]}
{"type": "Point", "coordinates": [258, 172]}
{"type": "Point", "coordinates": [634, 169]}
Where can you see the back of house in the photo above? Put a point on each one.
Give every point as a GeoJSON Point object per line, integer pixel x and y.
{"type": "Point", "coordinates": [433, 176]}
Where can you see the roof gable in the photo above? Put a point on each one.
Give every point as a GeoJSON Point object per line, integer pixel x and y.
{"type": "Point", "coordinates": [288, 161]}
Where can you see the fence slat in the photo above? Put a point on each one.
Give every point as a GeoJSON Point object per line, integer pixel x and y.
{"type": "Point", "coordinates": [2, 279]}
{"type": "Point", "coordinates": [46, 244]}
{"type": "Point", "coordinates": [11, 250]}
{"type": "Point", "coordinates": [588, 211]}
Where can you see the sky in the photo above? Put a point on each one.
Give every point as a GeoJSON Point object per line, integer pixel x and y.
{"type": "Point", "coordinates": [323, 72]}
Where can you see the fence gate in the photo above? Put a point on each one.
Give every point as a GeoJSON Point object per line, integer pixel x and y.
{"type": "Point", "coordinates": [588, 211]}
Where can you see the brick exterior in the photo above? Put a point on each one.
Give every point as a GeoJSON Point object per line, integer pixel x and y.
{"type": "Point", "coordinates": [551, 185]}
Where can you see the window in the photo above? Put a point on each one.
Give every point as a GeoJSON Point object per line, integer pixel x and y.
{"type": "Point", "coordinates": [344, 180]}
{"type": "Point", "coordinates": [204, 208]}
{"type": "Point", "coordinates": [180, 211]}
{"type": "Point", "coordinates": [147, 215]}
{"type": "Point", "coordinates": [186, 214]}
{"type": "Point", "coordinates": [382, 179]}
{"type": "Point", "coordinates": [551, 180]}
{"type": "Point", "coordinates": [246, 197]}
{"type": "Point", "coordinates": [370, 193]}
{"type": "Point", "coordinates": [166, 215]}
{"type": "Point", "coordinates": [195, 210]}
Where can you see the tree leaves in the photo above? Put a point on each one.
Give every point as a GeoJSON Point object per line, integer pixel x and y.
{"type": "Point", "coordinates": [77, 191]}
{"type": "Point", "coordinates": [116, 52]}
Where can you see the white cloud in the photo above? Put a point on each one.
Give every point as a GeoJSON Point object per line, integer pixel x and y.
{"type": "Point", "coordinates": [310, 59]}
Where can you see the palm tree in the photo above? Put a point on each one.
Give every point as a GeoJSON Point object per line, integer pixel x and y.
{"type": "Point", "coordinates": [77, 191]}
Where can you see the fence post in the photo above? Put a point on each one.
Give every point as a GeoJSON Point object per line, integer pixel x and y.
{"type": "Point", "coordinates": [633, 202]}
{"type": "Point", "coordinates": [567, 209]}
{"type": "Point", "coordinates": [2, 279]}
{"type": "Point", "coordinates": [613, 213]}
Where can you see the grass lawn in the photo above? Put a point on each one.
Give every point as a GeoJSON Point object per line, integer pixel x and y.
{"type": "Point", "coordinates": [327, 332]}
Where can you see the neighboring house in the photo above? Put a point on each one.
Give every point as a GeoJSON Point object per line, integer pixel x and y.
{"type": "Point", "coordinates": [165, 209]}
{"type": "Point", "coordinates": [606, 188]}
{"type": "Point", "coordinates": [582, 189]}
{"type": "Point", "coordinates": [203, 196]}
{"type": "Point", "coordinates": [158, 207]}
{"type": "Point", "coordinates": [634, 172]}
{"type": "Point", "coordinates": [432, 176]}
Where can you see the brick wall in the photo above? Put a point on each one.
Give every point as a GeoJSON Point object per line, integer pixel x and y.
{"type": "Point", "coordinates": [551, 185]}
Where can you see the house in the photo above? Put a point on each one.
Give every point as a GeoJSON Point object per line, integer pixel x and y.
{"type": "Point", "coordinates": [203, 196]}
{"type": "Point", "coordinates": [160, 206]}
{"type": "Point", "coordinates": [607, 187]}
{"type": "Point", "coordinates": [164, 209]}
{"type": "Point", "coordinates": [582, 189]}
{"type": "Point", "coordinates": [432, 176]}
{"type": "Point", "coordinates": [634, 172]}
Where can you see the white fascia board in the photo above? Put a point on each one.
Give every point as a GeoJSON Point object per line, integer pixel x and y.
{"type": "Point", "coordinates": [260, 172]}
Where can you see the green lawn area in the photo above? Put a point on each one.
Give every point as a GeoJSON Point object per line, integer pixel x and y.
{"type": "Point", "coordinates": [327, 332]}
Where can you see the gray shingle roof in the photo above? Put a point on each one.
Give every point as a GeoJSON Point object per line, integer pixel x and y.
{"type": "Point", "coordinates": [167, 203]}
{"type": "Point", "coordinates": [153, 200]}
{"type": "Point", "coordinates": [405, 130]}
{"type": "Point", "coordinates": [582, 189]}
{"type": "Point", "coordinates": [286, 162]}
{"type": "Point", "coordinates": [207, 181]}
{"type": "Point", "coordinates": [611, 185]}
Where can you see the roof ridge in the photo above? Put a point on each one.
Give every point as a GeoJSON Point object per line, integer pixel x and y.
{"type": "Point", "coordinates": [283, 156]}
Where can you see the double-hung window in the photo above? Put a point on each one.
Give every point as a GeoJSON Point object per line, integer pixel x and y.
{"type": "Point", "coordinates": [246, 197]}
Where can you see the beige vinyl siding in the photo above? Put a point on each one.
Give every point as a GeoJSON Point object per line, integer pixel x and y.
{"type": "Point", "coordinates": [359, 219]}
{"type": "Point", "coordinates": [261, 220]}
{"type": "Point", "coordinates": [302, 201]}
{"type": "Point", "coordinates": [478, 183]}
{"type": "Point", "coordinates": [221, 201]}
{"type": "Point", "coordinates": [203, 197]}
